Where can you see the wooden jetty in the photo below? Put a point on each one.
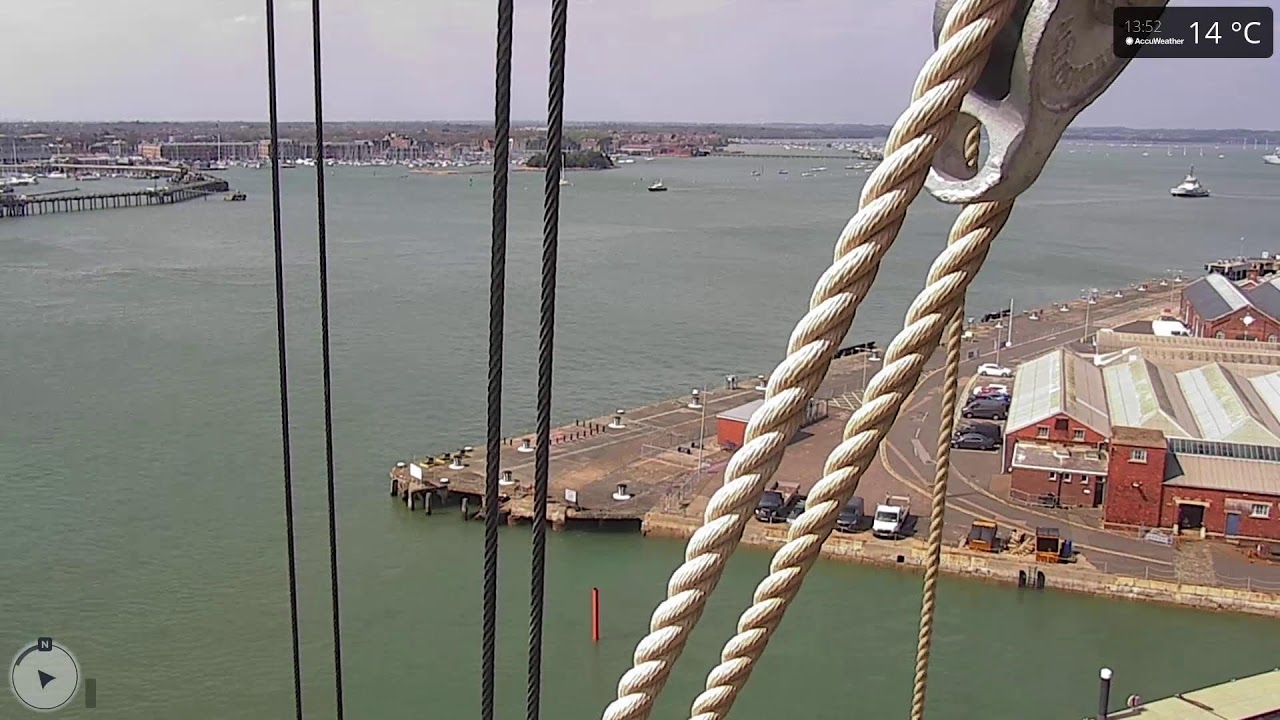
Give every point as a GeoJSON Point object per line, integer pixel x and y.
{"type": "Point", "coordinates": [606, 470]}
{"type": "Point", "coordinates": [186, 186]}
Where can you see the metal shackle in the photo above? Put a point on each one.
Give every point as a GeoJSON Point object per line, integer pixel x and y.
{"type": "Point", "coordinates": [1051, 60]}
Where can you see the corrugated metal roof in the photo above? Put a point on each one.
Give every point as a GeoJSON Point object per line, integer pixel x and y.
{"type": "Point", "coordinates": [1209, 472]}
{"type": "Point", "coordinates": [1219, 410]}
{"type": "Point", "coordinates": [1085, 394]}
{"type": "Point", "coordinates": [1058, 382]}
{"type": "Point", "coordinates": [1266, 297]}
{"type": "Point", "coordinates": [1243, 699]}
{"type": "Point", "coordinates": [742, 413]}
{"type": "Point", "coordinates": [1037, 391]}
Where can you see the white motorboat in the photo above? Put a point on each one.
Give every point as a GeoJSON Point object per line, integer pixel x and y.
{"type": "Point", "coordinates": [1190, 187]}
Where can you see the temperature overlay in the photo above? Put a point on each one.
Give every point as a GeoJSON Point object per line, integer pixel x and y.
{"type": "Point", "coordinates": [1194, 32]}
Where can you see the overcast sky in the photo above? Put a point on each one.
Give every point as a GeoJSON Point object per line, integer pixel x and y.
{"type": "Point", "coordinates": [664, 60]}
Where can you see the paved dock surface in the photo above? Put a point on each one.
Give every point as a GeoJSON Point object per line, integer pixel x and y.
{"type": "Point", "coordinates": [591, 458]}
{"type": "Point", "coordinates": [905, 465]}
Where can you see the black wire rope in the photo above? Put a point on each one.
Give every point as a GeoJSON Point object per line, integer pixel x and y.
{"type": "Point", "coordinates": [497, 307]}
{"type": "Point", "coordinates": [546, 347]}
{"type": "Point", "coordinates": [323, 240]}
{"type": "Point", "coordinates": [277, 237]}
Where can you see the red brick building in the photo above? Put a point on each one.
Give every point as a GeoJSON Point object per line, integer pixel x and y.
{"type": "Point", "coordinates": [731, 425]}
{"type": "Point", "coordinates": [1155, 442]}
{"type": "Point", "coordinates": [1215, 307]}
{"type": "Point", "coordinates": [1136, 470]}
{"type": "Point", "coordinates": [1057, 429]}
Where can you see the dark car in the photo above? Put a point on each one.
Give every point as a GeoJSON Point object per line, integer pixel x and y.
{"type": "Point", "coordinates": [851, 517]}
{"type": "Point", "coordinates": [974, 441]}
{"type": "Point", "coordinates": [986, 409]}
{"type": "Point", "coordinates": [796, 509]}
{"type": "Point", "coordinates": [989, 429]}
{"type": "Point", "coordinates": [772, 504]}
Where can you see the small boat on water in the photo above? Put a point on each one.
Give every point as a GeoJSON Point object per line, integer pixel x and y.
{"type": "Point", "coordinates": [235, 197]}
{"type": "Point", "coordinates": [1273, 158]}
{"type": "Point", "coordinates": [658, 187]}
{"type": "Point", "coordinates": [1190, 187]}
{"type": "Point", "coordinates": [564, 182]}
{"type": "Point", "coordinates": [782, 172]}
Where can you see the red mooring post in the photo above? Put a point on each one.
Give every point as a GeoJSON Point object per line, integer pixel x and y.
{"type": "Point", "coordinates": [595, 614]}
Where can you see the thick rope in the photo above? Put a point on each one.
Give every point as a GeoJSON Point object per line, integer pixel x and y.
{"type": "Point", "coordinates": [904, 362]}
{"type": "Point", "coordinates": [497, 310]}
{"type": "Point", "coordinates": [949, 74]}
{"type": "Point", "coordinates": [546, 349]}
{"type": "Point", "coordinates": [942, 471]}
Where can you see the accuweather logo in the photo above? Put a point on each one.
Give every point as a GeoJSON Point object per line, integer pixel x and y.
{"type": "Point", "coordinates": [1154, 41]}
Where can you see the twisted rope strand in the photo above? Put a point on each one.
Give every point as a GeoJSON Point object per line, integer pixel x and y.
{"type": "Point", "coordinates": [904, 362]}
{"type": "Point", "coordinates": [942, 471]}
{"type": "Point", "coordinates": [949, 73]}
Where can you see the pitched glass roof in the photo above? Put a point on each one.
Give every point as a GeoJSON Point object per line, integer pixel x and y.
{"type": "Point", "coordinates": [1220, 411]}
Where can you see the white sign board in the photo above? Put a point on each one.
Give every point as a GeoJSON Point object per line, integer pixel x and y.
{"type": "Point", "coordinates": [571, 496]}
{"type": "Point", "coordinates": [415, 471]}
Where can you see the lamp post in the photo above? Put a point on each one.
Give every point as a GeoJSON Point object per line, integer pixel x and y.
{"type": "Point", "coordinates": [870, 358]}
{"type": "Point", "coordinates": [1008, 334]}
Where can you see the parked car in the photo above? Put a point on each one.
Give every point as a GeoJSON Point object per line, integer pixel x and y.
{"type": "Point", "coordinates": [986, 409]}
{"type": "Point", "coordinates": [796, 509]}
{"type": "Point", "coordinates": [974, 441]}
{"type": "Point", "coordinates": [1002, 399]}
{"type": "Point", "coordinates": [990, 430]}
{"type": "Point", "coordinates": [771, 503]}
{"type": "Point", "coordinates": [994, 370]}
{"type": "Point", "coordinates": [775, 504]}
{"type": "Point", "coordinates": [852, 516]}
{"type": "Point", "coordinates": [992, 390]}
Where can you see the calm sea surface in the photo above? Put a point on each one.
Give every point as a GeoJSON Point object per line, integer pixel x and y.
{"type": "Point", "coordinates": [141, 515]}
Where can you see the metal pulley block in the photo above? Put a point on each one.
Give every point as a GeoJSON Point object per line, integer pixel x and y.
{"type": "Point", "coordinates": [1050, 61]}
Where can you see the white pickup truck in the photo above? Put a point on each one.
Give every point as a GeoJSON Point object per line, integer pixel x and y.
{"type": "Point", "coordinates": [891, 516]}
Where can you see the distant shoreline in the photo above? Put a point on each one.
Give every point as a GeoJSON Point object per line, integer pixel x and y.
{"type": "Point", "coordinates": [339, 131]}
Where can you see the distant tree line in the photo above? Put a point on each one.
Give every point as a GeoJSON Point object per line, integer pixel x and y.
{"type": "Point", "coordinates": [578, 160]}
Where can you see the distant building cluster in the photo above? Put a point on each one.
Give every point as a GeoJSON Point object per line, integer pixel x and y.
{"type": "Point", "coordinates": [462, 148]}
{"type": "Point", "coordinates": [1238, 300]}
{"type": "Point", "coordinates": [1180, 433]}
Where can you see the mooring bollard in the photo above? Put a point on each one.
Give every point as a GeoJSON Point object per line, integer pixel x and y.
{"type": "Point", "coordinates": [1104, 692]}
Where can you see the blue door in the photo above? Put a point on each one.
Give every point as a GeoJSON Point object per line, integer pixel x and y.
{"type": "Point", "coordinates": [1233, 524]}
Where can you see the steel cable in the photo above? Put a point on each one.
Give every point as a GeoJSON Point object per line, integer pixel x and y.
{"type": "Point", "coordinates": [497, 310]}
{"type": "Point", "coordinates": [323, 242]}
{"type": "Point", "coordinates": [950, 72]}
{"type": "Point", "coordinates": [278, 243]}
{"type": "Point", "coordinates": [546, 348]}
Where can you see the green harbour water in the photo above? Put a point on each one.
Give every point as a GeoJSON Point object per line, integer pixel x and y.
{"type": "Point", "coordinates": [141, 495]}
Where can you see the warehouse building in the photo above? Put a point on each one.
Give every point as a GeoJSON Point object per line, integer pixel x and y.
{"type": "Point", "coordinates": [1156, 442]}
